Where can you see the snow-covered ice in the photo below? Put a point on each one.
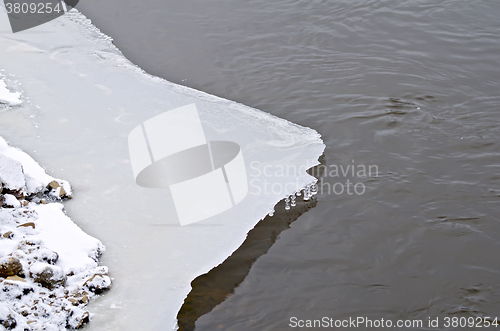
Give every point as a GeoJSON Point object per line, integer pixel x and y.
{"type": "Point", "coordinates": [8, 97]}
{"type": "Point", "coordinates": [85, 98]}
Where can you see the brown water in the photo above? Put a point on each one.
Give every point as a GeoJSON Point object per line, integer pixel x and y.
{"type": "Point", "coordinates": [411, 87]}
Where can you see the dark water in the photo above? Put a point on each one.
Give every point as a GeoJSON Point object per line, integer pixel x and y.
{"type": "Point", "coordinates": [411, 87]}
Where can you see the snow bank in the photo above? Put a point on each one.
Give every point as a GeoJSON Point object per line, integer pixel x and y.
{"type": "Point", "coordinates": [20, 171]}
{"type": "Point", "coordinates": [77, 250]}
{"type": "Point", "coordinates": [48, 266]}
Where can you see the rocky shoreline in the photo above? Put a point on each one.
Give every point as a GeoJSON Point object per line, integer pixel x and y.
{"type": "Point", "coordinates": [49, 270]}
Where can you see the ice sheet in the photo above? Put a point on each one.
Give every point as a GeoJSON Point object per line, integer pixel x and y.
{"type": "Point", "coordinates": [84, 100]}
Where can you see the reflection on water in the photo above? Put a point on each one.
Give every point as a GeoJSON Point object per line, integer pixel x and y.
{"type": "Point", "coordinates": [212, 288]}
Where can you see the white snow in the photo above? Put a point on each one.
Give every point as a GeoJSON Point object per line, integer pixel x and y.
{"type": "Point", "coordinates": [4, 310]}
{"type": "Point", "coordinates": [8, 97]}
{"type": "Point", "coordinates": [38, 267]}
{"type": "Point", "coordinates": [11, 173]}
{"type": "Point", "coordinates": [33, 177]}
{"type": "Point", "coordinates": [11, 200]}
{"type": "Point", "coordinates": [77, 250]}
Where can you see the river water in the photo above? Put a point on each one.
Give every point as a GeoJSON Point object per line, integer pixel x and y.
{"type": "Point", "coordinates": [408, 89]}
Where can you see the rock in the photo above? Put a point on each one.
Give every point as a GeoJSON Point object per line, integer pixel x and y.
{"type": "Point", "coordinates": [2, 200]}
{"type": "Point", "coordinates": [47, 275]}
{"type": "Point", "coordinates": [6, 318]}
{"type": "Point", "coordinates": [15, 278]}
{"type": "Point", "coordinates": [21, 274]}
{"type": "Point", "coordinates": [11, 174]}
{"type": "Point", "coordinates": [53, 185]}
{"type": "Point", "coordinates": [32, 251]}
{"type": "Point", "coordinates": [15, 290]}
{"type": "Point", "coordinates": [84, 319]}
{"type": "Point", "coordinates": [57, 188]}
{"type": "Point", "coordinates": [10, 266]}
{"type": "Point", "coordinates": [77, 318]}
{"type": "Point", "coordinates": [27, 224]}
{"type": "Point", "coordinates": [8, 235]}
{"type": "Point", "coordinates": [47, 256]}
{"type": "Point", "coordinates": [78, 298]}
{"type": "Point", "coordinates": [98, 283]}
{"type": "Point", "coordinates": [8, 322]}
{"type": "Point", "coordinates": [73, 301]}
{"type": "Point", "coordinates": [29, 244]}
{"type": "Point", "coordinates": [18, 194]}
{"type": "Point", "coordinates": [11, 201]}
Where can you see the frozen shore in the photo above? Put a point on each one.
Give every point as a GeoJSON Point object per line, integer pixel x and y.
{"type": "Point", "coordinates": [49, 267]}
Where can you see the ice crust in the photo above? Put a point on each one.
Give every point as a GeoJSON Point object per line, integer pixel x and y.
{"type": "Point", "coordinates": [8, 97]}
{"type": "Point", "coordinates": [85, 98]}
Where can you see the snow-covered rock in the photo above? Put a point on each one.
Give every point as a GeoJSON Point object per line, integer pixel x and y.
{"type": "Point", "coordinates": [19, 171]}
{"type": "Point", "coordinates": [10, 266]}
{"type": "Point", "coordinates": [11, 174]}
{"type": "Point", "coordinates": [49, 267]}
{"type": "Point", "coordinates": [11, 201]}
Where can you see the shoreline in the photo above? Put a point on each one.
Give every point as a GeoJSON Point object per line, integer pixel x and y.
{"type": "Point", "coordinates": [49, 270]}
